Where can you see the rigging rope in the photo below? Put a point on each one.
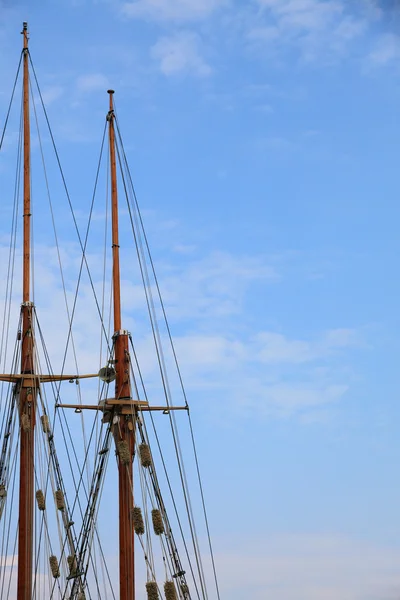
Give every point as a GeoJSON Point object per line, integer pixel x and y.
{"type": "Point", "coordinates": [136, 205]}
{"type": "Point", "coordinates": [159, 352]}
{"type": "Point", "coordinates": [11, 101]}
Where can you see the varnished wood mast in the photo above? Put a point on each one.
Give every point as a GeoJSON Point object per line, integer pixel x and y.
{"type": "Point", "coordinates": [27, 398]}
{"type": "Point", "coordinates": [124, 427]}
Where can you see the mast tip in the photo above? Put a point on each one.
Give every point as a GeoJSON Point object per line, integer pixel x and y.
{"type": "Point", "coordinates": [25, 25]}
{"type": "Point", "coordinates": [110, 91]}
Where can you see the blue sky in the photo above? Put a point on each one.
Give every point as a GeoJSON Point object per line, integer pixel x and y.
{"type": "Point", "coordinates": [263, 139]}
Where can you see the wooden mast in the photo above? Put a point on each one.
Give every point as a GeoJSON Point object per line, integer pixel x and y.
{"type": "Point", "coordinates": [27, 395]}
{"type": "Point", "coordinates": [124, 427]}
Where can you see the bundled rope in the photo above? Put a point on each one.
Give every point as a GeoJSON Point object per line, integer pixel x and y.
{"type": "Point", "coordinates": [81, 596]}
{"type": "Point", "coordinates": [45, 423]}
{"type": "Point", "coordinates": [25, 422]}
{"type": "Point", "coordinates": [40, 499]}
{"type": "Point", "coordinates": [73, 567]}
{"type": "Point", "coordinates": [3, 491]}
{"type": "Point", "coordinates": [158, 524]}
{"type": "Point", "coordinates": [152, 590]}
{"type": "Point", "coordinates": [145, 455]}
{"type": "Point", "coordinates": [137, 518]}
{"type": "Point", "coordinates": [123, 451]}
{"type": "Point", "coordinates": [60, 502]}
{"type": "Point", "coordinates": [170, 591]}
{"type": "Point", "coordinates": [54, 567]}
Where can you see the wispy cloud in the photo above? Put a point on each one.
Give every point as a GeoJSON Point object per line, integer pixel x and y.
{"type": "Point", "coordinates": [320, 29]}
{"type": "Point", "coordinates": [92, 82]}
{"type": "Point", "coordinates": [387, 50]}
{"type": "Point", "coordinates": [276, 348]}
{"type": "Point", "coordinates": [51, 94]}
{"type": "Point", "coordinates": [171, 10]}
{"type": "Point", "coordinates": [272, 374]}
{"type": "Point", "coordinates": [213, 286]}
{"type": "Point", "coordinates": [311, 567]}
{"type": "Point", "coordinates": [181, 53]}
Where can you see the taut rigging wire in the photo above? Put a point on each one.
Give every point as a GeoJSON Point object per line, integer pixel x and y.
{"type": "Point", "coordinates": [159, 351]}
{"type": "Point", "coordinates": [11, 101]}
{"type": "Point", "coordinates": [173, 352]}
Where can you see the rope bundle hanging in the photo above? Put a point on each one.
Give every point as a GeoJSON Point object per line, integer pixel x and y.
{"type": "Point", "coordinates": [137, 518]}
{"type": "Point", "coordinates": [60, 502]}
{"type": "Point", "coordinates": [170, 591]}
{"type": "Point", "coordinates": [123, 451]}
{"type": "Point", "coordinates": [73, 567]}
{"type": "Point", "coordinates": [145, 455]}
{"type": "Point", "coordinates": [152, 590]}
{"type": "Point", "coordinates": [158, 524]}
{"type": "Point", "coordinates": [3, 491]}
{"type": "Point", "coordinates": [40, 499]}
{"type": "Point", "coordinates": [25, 422]}
{"type": "Point", "coordinates": [45, 423]}
{"type": "Point", "coordinates": [81, 596]}
{"type": "Point", "coordinates": [54, 567]}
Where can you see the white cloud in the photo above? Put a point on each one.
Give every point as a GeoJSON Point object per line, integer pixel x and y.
{"type": "Point", "coordinates": [274, 374]}
{"type": "Point", "coordinates": [269, 373]}
{"type": "Point", "coordinates": [92, 82]}
{"type": "Point", "coordinates": [51, 94]}
{"type": "Point", "coordinates": [213, 286]}
{"type": "Point", "coordinates": [171, 10]}
{"type": "Point", "coordinates": [320, 29]}
{"type": "Point", "coordinates": [386, 51]}
{"type": "Point", "coordinates": [276, 348]}
{"type": "Point", "coordinates": [310, 567]}
{"type": "Point", "coordinates": [181, 53]}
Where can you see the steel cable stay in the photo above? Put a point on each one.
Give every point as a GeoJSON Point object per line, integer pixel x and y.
{"type": "Point", "coordinates": [102, 311]}
{"type": "Point", "coordinates": [164, 378]}
{"type": "Point", "coordinates": [78, 482]}
{"type": "Point", "coordinates": [168, 548]}
{"type": "Point", "coordinates": [162, 306]}
{"type": "Point", "coordinates": [65, 559]}
{"type": "Point", "coordinates": [9, 461]}
{"type": "Point", "coordinates": [141, 228]}
{"type": "Point", "coordinates": [142, 428]}
{"type": "Point", "coordinates": [54, 472]}
{"type": "Point", "coordinates": [7, 522]}
{"type": "Point", "coordinates": [52, 450]}
{"type": "Point", "coordinates": [8, 296]}
{"type": "Point", "coordinates": [82, 242]}
{"type": "Point", "coordinates": [11, 253]}
{"type": "Point", "coordinates": [190, 520]}
{"type": "Point", "coordinates": [176, 565]}
{"type": "Point", "coordinates": [11, 101]}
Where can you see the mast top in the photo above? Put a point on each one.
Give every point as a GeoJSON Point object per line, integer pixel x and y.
{"type": "Point", "coordinates": [111, 92]}
{"type": "Point", "coordinates": [25, 34]}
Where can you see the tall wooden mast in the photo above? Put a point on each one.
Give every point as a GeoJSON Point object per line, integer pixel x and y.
{"type": "Point", "coordinates": [124, 427]}
{"type": "Point", "coordinates": [27, 395]}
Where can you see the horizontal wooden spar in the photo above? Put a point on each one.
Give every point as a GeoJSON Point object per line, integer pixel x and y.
{"type": "Point", "coordinates": [35, 379]}
{"type": "Point", "coordinates": [107, 407]}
